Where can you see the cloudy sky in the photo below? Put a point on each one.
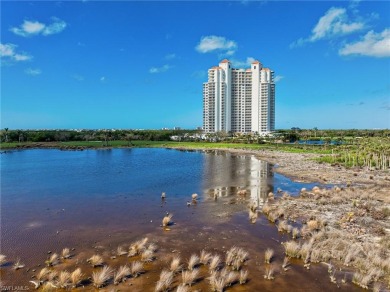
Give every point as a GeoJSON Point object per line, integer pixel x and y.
{"type": "Point", "coordinates": [124, 64]}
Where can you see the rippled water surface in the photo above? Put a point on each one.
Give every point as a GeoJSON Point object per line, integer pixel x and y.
{"type": "Point", "coordinates": [95, 200]}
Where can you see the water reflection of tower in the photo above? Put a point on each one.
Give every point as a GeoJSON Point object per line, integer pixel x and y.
{"type": "Point", "coordinates": [225, 173]}
{"type": "Point", "coordinates": [261, 180]}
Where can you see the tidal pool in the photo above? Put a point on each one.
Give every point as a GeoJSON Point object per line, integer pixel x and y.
{"type": "Point", "coordinates": [93, 201]}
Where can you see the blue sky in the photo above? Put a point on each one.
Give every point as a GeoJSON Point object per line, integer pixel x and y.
{"type": "Point", "coordinates": [95, 64]}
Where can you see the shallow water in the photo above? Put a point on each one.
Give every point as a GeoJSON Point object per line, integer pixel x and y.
{"type": "Point", "coordinates": [95, 200]}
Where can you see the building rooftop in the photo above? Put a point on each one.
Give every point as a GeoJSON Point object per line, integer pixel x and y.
{"type": "Point", "coordinates": [255, 62]}
{"type": "Point", "coordinates": [225, 61]}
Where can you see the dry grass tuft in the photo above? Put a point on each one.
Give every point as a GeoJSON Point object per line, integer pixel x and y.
{"type": "Point", "coordinates": [66, 253]}
{"type": "Point", "coordinates": [76, 277]}
{"type": "Point", "coordinates": [2, 259]}
{"type": "Point", "coordinates": [268, 254]}
{"type": "Point", "coordinates": [215, 263]}
{"type": "Point", "coordinates": [64, 280]}
{"type": "Point", "coordinates": [42, 275]}
{"type": "Point", "coordinates": [286, 264]}
{"type": "Point", "coordinates": [253, 216]}
{"type": "Point", "coordinates": [193, 262]}
{"type": "Point", "coordinates": [189, 277]}
{"type": "Point", "coordinates": [313, 225]}
{"type": "Point", "coordinates": [205, 257]}
{"type": "Point", "coordinates": [48, 287]}
{"type": "Point", "coordinates": [175, 265]}
{"type": "Point", "coordinates": [120, 251]}
{"type": "Point", "coordinates": [266, 209]}
{"type": "Point", "coordinates": [273, 216]}
{"type": "Point", "coordinates": [121, 274]}
{"type": "Point", "coordinates": [101, 277]}
{"type": "Point", "coordinates": [167, 220]}
{"type": "Point", "coordinates": [52, 260]}
{"type": "Point", "coordinates": [18, 265]}
{"type": "Point", "coordinates": [136, 268]}
{"type": "Point", "coordinates": [292, 249]}
{"type": "Point", "coordinates": [137, 247]}
{"type": "Point", "coordinates": [95, 260]}
{"type": "Point", "coordinates": [282, 226]}
{"type": "Point", "coordinates": [182, 288]}
{"type": "Point", "coordinates": [231, 278]}
{"type": "Point", "coordinates": [165, 281]}
{"type": "Point", "coordinates": [295, 233]}
{"type": "Point", "coordinates": [236, 266]}
{"type": "Point", "coordinates": [147, 256]}
{"type": "Point", "coordinates": [243, 277]}
{"type": "Point", "coordinates": [269, 273]}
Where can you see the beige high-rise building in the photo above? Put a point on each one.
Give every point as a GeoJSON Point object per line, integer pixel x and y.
{"type": "Point", "coordinates": [239, 100]}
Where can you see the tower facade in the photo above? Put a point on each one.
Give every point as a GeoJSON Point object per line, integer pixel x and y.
{"type": "Point", "coordinates": [239, 100]}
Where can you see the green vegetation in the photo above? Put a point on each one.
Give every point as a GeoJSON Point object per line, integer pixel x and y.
{"type": "Point", "coordinates": [365, 148]}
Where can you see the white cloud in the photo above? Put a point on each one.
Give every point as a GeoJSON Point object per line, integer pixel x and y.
{"type": "Point", "coordinates": [239, 63]}
{"type": "Point", "coordinates": [8, 52]}
{"type": "Point", "coordinates": [170, 56]}
{"type": "Point", "coordinates": [278, 78]}
{"type": "Point", "coordinates": [33, 72]}
{"type": "Point", "coordinates": [103, 78]}
{"type": "Point", "coordinates": [212, 43]}
{"type": "Point", "coordinates": [57, 26]}
{"type": "Point", "coordinates": [31, 28]}
{"type": "Point", "coordinates": [164, 68]}
{"type": "Point", "coordinates": [334, 23]}
{"type": "Point", "coordinates": [372, 45]}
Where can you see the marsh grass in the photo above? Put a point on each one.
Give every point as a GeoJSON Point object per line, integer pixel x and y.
{"type": "Point", "coordinates": [64, 280]}
{"type": "Point", "coordinates": [136, 268]}
{"type": "Point", "coordinates": [292, 249]}
{"type": "Point", "coordinates": [121, 274]}
{"type": "Point", "coordinates": [96, 261]}
{"type": "Point", "coordinates": [243, 277]}
{"type": "Point", "coordinates": [204, 257]}
{"type": "Point", "coordinates": [76, 277]}
{"type": "Point", "coordinates": [167, 220]}
{"type": "Point", "coordinates": [137, 247]}
{"type": "Point", "coordinates": [165, 281]}
{"type": "Point", "coordinates": [49, 287]}
{"type": "Point", "coordinates": [193, 262]}
{"type": "Point", "coordinates": [215, 262]}
{"type": "Point", "coordinates": [2, 259]}
{"type": "Point", "coordinates": [147, 256]}
{"type": "Point", "coordinates": [101, 277]}
{"type": "Point", "coordinates": [175, 265]}
{"type": "Point", "coordinates": [182, 288]}
{"type": "Point", "coordinates": [65, 253]}
{"type": "Point", "coordinates": [268, 254]}
{"type": "Point", "coordinates": [42, 275]}
{"type": "Point", "coordinates": [286, 264]}
{"type": "Point", "coordinates": [120, 251]}
{"type": "Point", "coordinates": [269, 273]}
{"type": "Point", "coordinates": [18, 265]}
{"type": "Point", "coordinates": [53, 260]}
{"type": "Point", "coordinates": [189, 277]}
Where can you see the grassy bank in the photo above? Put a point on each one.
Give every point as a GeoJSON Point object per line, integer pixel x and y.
{"type": "Point", "coordinates": [369, 153]}
{"type": "Point", "coordinates": [190, 145]}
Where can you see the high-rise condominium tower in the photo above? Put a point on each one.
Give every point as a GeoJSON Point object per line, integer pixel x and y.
{"type": "Point", "coordinates": [239, 100]}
